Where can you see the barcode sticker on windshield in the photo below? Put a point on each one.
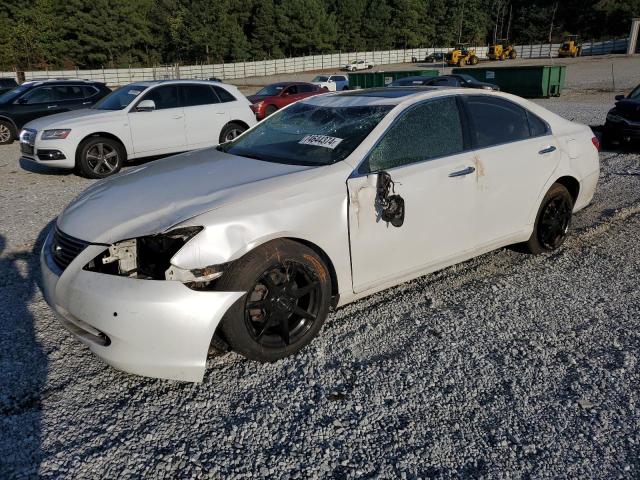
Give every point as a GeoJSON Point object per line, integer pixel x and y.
{"type": "Point", "coordinates": [134, 92]}
{"type": "Point", "coordinates": [320, 141]}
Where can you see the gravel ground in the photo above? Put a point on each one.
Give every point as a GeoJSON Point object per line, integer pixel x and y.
{"type": "Point", "coordinates": [504, 366]}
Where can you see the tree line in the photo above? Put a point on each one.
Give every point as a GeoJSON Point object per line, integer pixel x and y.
{"type": "Point", "coordinates": [117, 33]}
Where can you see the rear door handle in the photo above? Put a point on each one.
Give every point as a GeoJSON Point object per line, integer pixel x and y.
{"type": "Point", "coordinates": [176, 117]}
{"type": "Point", "coordinates": [220, 113]}
{"type": "Point", "coordinates": [462, 173]}
{"type": "Point", "coordinates": [52, 106]}
{"type": "Point", "coordinates": [548, 149]}
{"type": "Point", "coordinates": [86, 103]}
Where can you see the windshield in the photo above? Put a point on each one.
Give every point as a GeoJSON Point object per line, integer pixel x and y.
{"type": "Point", "coordinates": [305, 134]}
{"type": "Point", "coordinates": [270, 90]}
{"type": "Point", "coordinates": [11, 95]}
{"type": "Point", "coordinates": [635, 93]}
{"type": "Point", "coordinates": [466, 78]}
{"type": "Point", "coordinates": [119, 99]}
{"type": "Point", "coordinates": [320, 78]}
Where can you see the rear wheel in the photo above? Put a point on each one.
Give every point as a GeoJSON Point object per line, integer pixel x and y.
{"type": "Point", "coordinates": [513, 54]}
{"type": "Point", "coordinates": [7, 132]}
{"type": "Point", "coordinates": [461, 62]}
{"type": "Point", "coordinates": [552, 222]}
{"type": "Point", "coordinates": [231, 131]}
{"type": "Point", "coordinates": [99, 157]}
{"type": "Point", "coordinates": [473, 60]}
{"type": "Point", "coordinates": [503, 56]}
{"type": "Point", "coordinates": [288, 295]}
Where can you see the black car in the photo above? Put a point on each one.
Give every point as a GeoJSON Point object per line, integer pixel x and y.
{"type": "Point", "coordinates": [623, 120]}
{"type": "Point", "coordinates": [37, 99]}
{"type": "Point", "coordinates": [7, 84]}
{"type": "Point", "coordinates": [431, 58]}
{"type": "Point", "coordinates": [454, 80]}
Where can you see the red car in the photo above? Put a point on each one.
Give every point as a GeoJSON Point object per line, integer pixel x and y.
{"type": "Point", "coordinates": [278, 95]}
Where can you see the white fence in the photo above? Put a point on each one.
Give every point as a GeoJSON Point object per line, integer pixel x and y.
{"type": "Point", "coordinates": [240, 70]}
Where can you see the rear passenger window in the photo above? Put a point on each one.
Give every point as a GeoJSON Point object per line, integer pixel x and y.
{"type": "Point", "coordinates": [89, 91]}
{"type": "Point", "coordinates": [537, 127]}
{"type": "Point", "coordinates": [305, 88]}
{"type": "Point", "coordinates": [198, 95]}
{"type": "Point", "coordinates": [496, 121]}
{"type": "Point", "coordinates": [428, 130]}
{"type": "Point", "coordinates": [224, 95]}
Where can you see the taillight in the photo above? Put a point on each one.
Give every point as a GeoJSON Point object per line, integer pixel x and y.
{"type": "Point", "coordinates": [596, 143]}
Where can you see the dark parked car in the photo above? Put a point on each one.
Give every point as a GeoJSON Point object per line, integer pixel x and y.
{"type": "Point", "coordinates": [454, 80]}
{"type": "Point", "coordinates": [623, 120]}
{"type": "Point", "coordinates": [37, 99]}
{"type": "Point", "coordinates": [7, 84]}
{"type": "Point", "coordinates": [431, 58]}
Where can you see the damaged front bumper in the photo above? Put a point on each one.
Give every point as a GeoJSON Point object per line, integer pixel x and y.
{"type": "Point", "coordinates": [155, 328]}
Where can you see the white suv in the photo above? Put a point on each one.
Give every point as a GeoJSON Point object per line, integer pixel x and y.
{"type": "Point", "coordinates": [139, 120]}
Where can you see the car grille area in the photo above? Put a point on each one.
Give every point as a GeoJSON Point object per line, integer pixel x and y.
{"type": "Point", "coordinates": [65, 248]}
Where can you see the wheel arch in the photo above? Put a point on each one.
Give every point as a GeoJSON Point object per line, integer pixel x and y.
{"type": "Point", "coordinates": [572, 184]}
{"type": "Point", "coordinates": [328, 262]}
{"type": "Point", "coordinates": [106, 135]}
{"type": "Point", "coordinates": [238, 122]}
{"type": "Point", "coordinates": [10, 120]}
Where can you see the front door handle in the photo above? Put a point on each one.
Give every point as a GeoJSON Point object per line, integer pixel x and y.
{"type": "Point", "coordinates": [177, 117]}
{"type": "Point", "coordinates": [462, 173]}
{"type": "Point", "coordinates": [548, 149]}
{"type": "Point", "coordinates": [52, 106]}
{"type": "Point", "coordinates": [86, 103]}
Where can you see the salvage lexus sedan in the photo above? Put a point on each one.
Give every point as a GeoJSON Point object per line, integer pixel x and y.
{"type": "Point", "coordinates": [249, 244]}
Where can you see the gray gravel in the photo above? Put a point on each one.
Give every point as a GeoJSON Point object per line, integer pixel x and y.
{"type": "Point", "coordinates": [506, 366]}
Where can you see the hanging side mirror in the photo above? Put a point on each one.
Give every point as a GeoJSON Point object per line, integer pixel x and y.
{"type": "Point", "coordinates": [389, 205]}
{"type": "Point", "coordinates": [619, 97]}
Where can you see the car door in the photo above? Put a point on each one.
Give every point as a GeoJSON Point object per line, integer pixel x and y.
{"type": "Point", "coordinates": [160, 130]}
{"type": "Point", "coordinates": [204, 115]}
{"type": "Point", "coordinates": [72, 97]}
{"type": "Point", "coordinates": [425, 153]}
{"type": "Point", "coordinates": [305, 91]}
{"type": "Point", "coordinates": [516, 155]}
{"type": "Point", "coordinates": [35, 103]}
{"type": "Point", "coordinates": [340, 81]}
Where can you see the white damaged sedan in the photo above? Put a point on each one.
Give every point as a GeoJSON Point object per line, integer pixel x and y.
{"type": "Point", "coordinates": [249, 244]}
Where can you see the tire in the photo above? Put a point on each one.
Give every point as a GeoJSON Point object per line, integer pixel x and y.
{"type": "Point", "coordinates": [461, 62]}
{"type": "Point", "coordinates": [7, 132]}
{"type": "Point", "coordinates": [271, 109]}
{"type": "Point", "coordinates": [473, 60]}
{"type": "Point", "coordinates": [503, 57]}
{"type": "Point", "coordinates": [231, 131]}
{"type": "Point", "coordinates": [100, 157]}
{"type": "Point", "coordinates": [513, 54]}
{"type": "Point", "coordinates": [552, 221]}
{"type": "Point", "coordinates": [259, 333]}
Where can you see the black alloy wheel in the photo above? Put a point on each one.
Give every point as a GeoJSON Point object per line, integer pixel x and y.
{"type": "Point", "coordinates": [283, 305]}
{"type": "Point", "coordinates": [554, 222]}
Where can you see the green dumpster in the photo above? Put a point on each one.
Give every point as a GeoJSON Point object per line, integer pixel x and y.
{"type": "Point", "coordinates": [381, 79]}
{"type": "Point", "coordinates": [531, 81]}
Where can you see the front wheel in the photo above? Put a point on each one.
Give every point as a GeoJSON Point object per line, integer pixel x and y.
{"type": "Point", "coordinates": [474, 60]}
{"type": "Point", "coordinates": [100, 157]}
{"type": "Point", "coordinates": [288, 296]}
{"type": "Point", "coordinates": [552, 222]}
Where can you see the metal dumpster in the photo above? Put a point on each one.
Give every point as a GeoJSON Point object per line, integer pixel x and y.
{"type": "Point", "coordinates": [381, 79]}
{"type": "Point", "coordinates": [531, 81]}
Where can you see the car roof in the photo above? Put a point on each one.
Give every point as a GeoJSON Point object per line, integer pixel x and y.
{"type": "Point", "coordinates": [59, 81]}
{"type": "Point", "coordinates": [416, 77]}
{"type": "Point", "coordinates": [151, 83]}
{"type": "Point", "coordinates": [377, 96]}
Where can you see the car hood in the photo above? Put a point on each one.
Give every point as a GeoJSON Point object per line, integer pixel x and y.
{"type": "Point", "coordinates": [258, 98]}
{"type": "Point", "coordinates": [163, 193]}
{"type": "Point", "coordinates": [72, 118]}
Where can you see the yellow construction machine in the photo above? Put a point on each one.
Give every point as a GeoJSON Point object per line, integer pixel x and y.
{"type": "Point", "coordinates": [571, 47]}
{"type": "Point", "coordinates": [501, 50]}
{"type": "Point", "coordinates": [461, 56]}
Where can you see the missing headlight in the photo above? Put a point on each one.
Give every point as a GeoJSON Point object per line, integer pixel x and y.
{"type": "Point", "coordinates": [144, 257]}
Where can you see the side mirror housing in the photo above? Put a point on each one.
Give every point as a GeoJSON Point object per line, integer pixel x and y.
{"type": "Point", "coordinates": [619, 97]}
{"type": "Point", "coordinates": [146, 106]}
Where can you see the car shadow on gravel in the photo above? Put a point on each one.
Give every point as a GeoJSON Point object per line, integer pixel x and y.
{"type": "Point", "coordinates": [33, 167]}
{"type": "Point", "coordinates": [23, 363]}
